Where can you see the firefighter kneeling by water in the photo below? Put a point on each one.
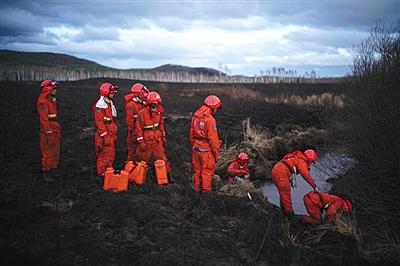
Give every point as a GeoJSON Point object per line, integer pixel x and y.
{"type": "Point", "coordinates": [318, 203]}
{"type": "Point", "coordinates": [285, 171]}
{"type": "Point", "coordinates": [238, 169]}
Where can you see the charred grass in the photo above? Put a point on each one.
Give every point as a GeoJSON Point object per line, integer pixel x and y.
{"type": "Point", "coordinates": [74, 222]}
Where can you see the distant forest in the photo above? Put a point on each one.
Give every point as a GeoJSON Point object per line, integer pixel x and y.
{"type": "Point", "coordinates": [25, 66]}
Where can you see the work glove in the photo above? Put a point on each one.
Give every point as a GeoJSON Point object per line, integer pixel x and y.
{"type": "Point", "coordinates": [246, 176]}
{"type": "Point", "coordinates": [142, 147]}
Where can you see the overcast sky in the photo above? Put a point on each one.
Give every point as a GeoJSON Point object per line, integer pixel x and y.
{"type": "Point", "coordinates": [245, 36]}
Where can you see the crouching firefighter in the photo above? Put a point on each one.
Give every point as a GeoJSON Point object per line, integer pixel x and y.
{"type": "Point", "coordinates": [134, 101]}
{"type": "Point", "coordinates": [285, 171]}
{"type": "Point", "coordinates": [104, 114]}
{"type": "Point", "coordinates": [150, 132]}
{"type": "Point", "coordinates": [318, 204]}
{"type": "Point", "coordinates": [205, 144]}
{"type": "Point", "coordinates": [50, 129]}
{"type": "Point", "coordinates": [239, 168]}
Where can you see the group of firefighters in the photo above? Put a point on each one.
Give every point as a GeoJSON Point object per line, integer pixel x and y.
{"type": "Point", "coordinates": [146, 138]}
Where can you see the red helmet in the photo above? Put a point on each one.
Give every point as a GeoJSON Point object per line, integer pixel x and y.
{"type": "Point", "coordinates": [243, 156]}
{"type": "Point", "coordinates": [138, 89]}
{"type": "Point", "coordinates": [106, 88]}
{"type": "Point", "coordinates": [311, 155]}
{"type": "Point", "coordinates": [154, 98]}
{"type": "Point", "coordinates": [212, 101]}
{"type": "Point", "coordinates": [348, 207]}
{"type": "Point", "coordinates": [47, 85]}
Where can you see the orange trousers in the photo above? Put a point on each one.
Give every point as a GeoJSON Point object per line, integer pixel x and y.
{"type": "Point", "coordinates": [155, 149]}
{"type": "Point", "coordinates": [281, 179]}
{"type": "Point", "coordinates": [131, 145]}
{"type": "Point", "coordinates": [203, 170]}
{"type": "Point", "coordinates": [50, 148]}
{"type": "Point", "coordinates": [314, 212]}
{"type": "Point", "coordinates": [105, 152]}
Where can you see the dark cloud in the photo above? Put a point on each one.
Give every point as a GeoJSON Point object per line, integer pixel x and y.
{"type": "Point", "coordinates": [358, 14]}
{"type": "Point", "coordinates": [15, 22]}
{"type": "Point", "coordinates": [321, 26]}
{"type": "Point", "coordinates": [339, 38]}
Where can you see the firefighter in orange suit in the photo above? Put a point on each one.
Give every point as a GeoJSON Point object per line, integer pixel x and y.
{"type": "Point", "coordinates": [239, 168]}
{"type": "Point", "coordinates": [205, 144]}
{"type": "Point", "coordinates": [285, 170]}
{"type": "Point", "coordinates": [134, 101]}
{"type": "Point", "coordinates": [317, 202]}
{"type": "Point", "coordinates": [104, 113]}
{"type": "Point", "coordinates": [50, 129]}
{"type": "Point", "coordinates": [149, 127]}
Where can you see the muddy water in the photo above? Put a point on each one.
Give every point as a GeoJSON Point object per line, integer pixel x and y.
{"type": "Point", "coordinates": [330, 165]}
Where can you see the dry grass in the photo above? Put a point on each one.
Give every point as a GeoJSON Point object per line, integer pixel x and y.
{"type": "Point", "coordinates": [238, 189]}
{"type": "Point", "coordinates": [325, 99]}
{"type": "Point", "coordinates": [174, 116]}
{"type": "Point", "coordinates": [307, 239]}
{"type": "Point", "coordinates": [266, 148]}
{"type": "Point", "coordinates": [234, 92]}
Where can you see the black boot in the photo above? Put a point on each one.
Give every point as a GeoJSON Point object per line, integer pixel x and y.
{"type": "Point", "coordinates": [171, 179]}
{"type": "Point", "coordinates": [47, 177]}
{"type": "Point", "coordinates": [55, 173]}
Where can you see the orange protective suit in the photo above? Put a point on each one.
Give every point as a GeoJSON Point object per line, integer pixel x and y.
{"type": "Point", "coordinates": [132, 107]}
{"type": "Point", "coordinates": [106, 135]}
{"type": "Point", "coordinates": [151, 135]}
{"type": "Point", "coordinates": [282, 171]}
{"type": "Point", "coordinates": [237, 169]}
{"type": "Point", "coordinates": [317, 202]}
{"type": "Point", "coordinates": [50, 131]}
{"type": "Point", "coordinates": [206, 147]}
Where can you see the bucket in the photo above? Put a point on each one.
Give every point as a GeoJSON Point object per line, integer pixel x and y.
{"type": "Point", "coordinates": [161, 172]}
{"type": "Point", "coordinates": [107, 177]}
{"type": "Point", "coordinates": [122, 181]}
{"type": "Point", "coordinates": [140, 172]}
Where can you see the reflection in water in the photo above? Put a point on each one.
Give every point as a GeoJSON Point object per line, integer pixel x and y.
{"type": "Point", "coordinates": [331, 165]}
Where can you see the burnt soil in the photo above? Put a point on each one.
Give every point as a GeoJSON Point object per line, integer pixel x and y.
{"type": "Point", "coordinates": [74, 222]}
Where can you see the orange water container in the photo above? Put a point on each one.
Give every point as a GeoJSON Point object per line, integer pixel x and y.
{"type": "Point", "coordinates": [114, 181]}
{"type": "Point", "coordinates": [129, 167]}
{"type": "Point", "coordinates": [122, 181]}
{"type": "Point", "coordinates": [140, 172]}
{"type": "Point", "coordinates": [107, 177]}
{"type": "Point", "coordinates": [161, 172]}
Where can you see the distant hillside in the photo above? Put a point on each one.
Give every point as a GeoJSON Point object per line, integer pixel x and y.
{"type": "Point", "coordinates": [15, 59]}
{"type": "Point", "coordinates": [21, 66]}
{"type": "Point", "coordinates": [192, 70]}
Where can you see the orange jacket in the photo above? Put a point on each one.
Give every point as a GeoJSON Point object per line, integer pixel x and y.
{"type": "Point", "coordinates": [235, 169]}
{"type": "Point", "coordinates": [149, 124]}
{"type": "Point", "coordinates": [105, 121]}
{"type": "Point", "coordinates": [203, 131]}
{"type": "Point", "coordinates": [132, 108]}
{"type": "Point", "coordinates": [48, 116]}
{"type": "Point", "coordinates": [299, 160]}
{"type": "Point", "coordinates": [334, 205]}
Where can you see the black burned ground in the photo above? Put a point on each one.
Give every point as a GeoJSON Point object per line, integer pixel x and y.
{"type": "Point", "coordinates": [74, 222]}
